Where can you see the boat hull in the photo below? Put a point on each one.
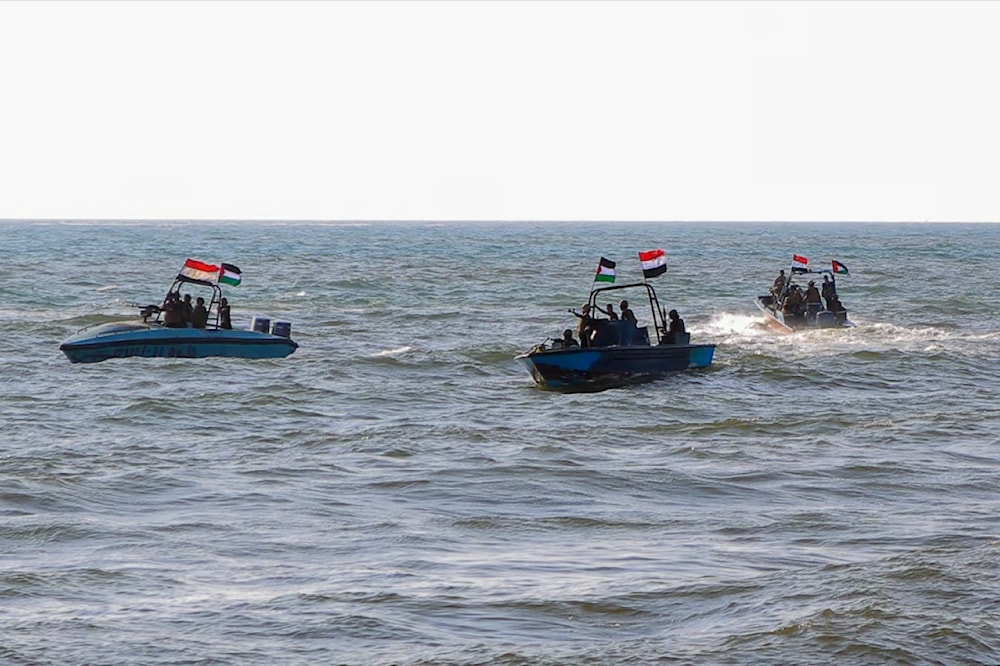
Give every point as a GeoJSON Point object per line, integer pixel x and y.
{"type": "Point", "coordinates": [605, 367]}
{"type": "Point", "coordinates": [777, 321]}
{"type": "Point", "coordinates": [121, 340]}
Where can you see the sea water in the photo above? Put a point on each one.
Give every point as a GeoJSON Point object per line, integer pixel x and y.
{"type": "Point", "coordinates": [397, 491]}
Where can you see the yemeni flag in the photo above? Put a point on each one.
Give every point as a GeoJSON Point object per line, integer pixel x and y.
{"type": "Point", "coordinates": [839, 268]}
{"type": "Point", "coordinates": [799, 264]}
{"type": "Point", "coordinates": [653, 262]}
{"type": "Point", "coordinates": [230, 274]}
{"type": "Point", "coordinates": [605, 270]}
{"type": "Point", "coordinates": [199, 271]}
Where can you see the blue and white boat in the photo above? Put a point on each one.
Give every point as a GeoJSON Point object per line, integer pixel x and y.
{"type": "Point", "coordinates": [621, 352]}
{"type": "Point", "coordinates": [151, 337]}
{"type": "Point", "coordinates": [786, 310]}
{"type": "Point", "coordinates": [814, 315]}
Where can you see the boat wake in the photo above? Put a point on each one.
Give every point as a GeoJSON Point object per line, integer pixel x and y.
{"type": "Point", "coordinates": [743, 334]}
{"type": "Point", "coordinates": [727, 324]}
{"type": "Point", "coordinates": [903, 334]}
{"type": "Point", "coordinates": [979, 345]}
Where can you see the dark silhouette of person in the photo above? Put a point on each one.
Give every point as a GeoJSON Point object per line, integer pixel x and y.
{"type": "Point", "coordinates": [199, 314]}
{"type": "Point", "coordinates": [793, 301]}
{"type": "Point", "coordinates": [567, 341]}
{"type": "Point", "coordinates": [676, 323]}
{"type": "Point", "coordinates": [779, 284]}
{"type": "Point", "coordinates": [186, 308]}
{"type": "Point", "coordinates": [172, 315]}
{"type": "Point", "coordinates": [829, 292]}
{"type": "Point", "coordinates": [626, 312]}
{"type": "Point", "coordinates": [586, 327]}
{"type": "Point", "coordinates": [612, 315]}
{"type": "Point", "coordinates": [812, 293]}
{"type": "Point", "coordinates": [225, 320]}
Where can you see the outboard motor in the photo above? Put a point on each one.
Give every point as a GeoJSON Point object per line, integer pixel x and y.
{"type": "Point", "coordinates": [282, 328]}
{"type": "Point", "coordinates": [826, 319]}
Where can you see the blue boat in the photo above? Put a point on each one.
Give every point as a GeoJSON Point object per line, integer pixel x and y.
{"type": "Point", "coordinates": [151, 337]}
{"type": "Point", "coordinates": [621, 352]}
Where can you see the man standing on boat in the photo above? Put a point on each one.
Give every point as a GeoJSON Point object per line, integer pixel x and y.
{"type": "Point", "coordinates": [172, 315]}
{"type": "Point", "coordinates": [676, 323]}
{"type": "Point", "coordinates": [779, 284]}
{"type": "Point", "coordinates": [585, 328]}
{"type": "Point", "coordinates": [813, 302]}
{"type": "Point", "coordinates": [626, 312]}
{"type": "Point", "coordinates": [829, 292]}
{"type": "Point", "coordinates": [225, 314]}
{"type": "Point", "coordinates": [199, 314]}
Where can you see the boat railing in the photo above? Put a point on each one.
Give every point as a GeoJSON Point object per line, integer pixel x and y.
{"type": "Point", "coordinates": [658, 314]}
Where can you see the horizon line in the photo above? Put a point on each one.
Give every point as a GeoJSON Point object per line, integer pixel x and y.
{"type": "Point", "coordinates": [477, 220]}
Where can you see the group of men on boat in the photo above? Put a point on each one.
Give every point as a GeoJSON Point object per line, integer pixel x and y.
{"type": "Point", "coordinates": [795, 301]}
{"type": "Point", "coordinates": [181, 313]}
{"type": "Point", "coordinates": [589, 325]}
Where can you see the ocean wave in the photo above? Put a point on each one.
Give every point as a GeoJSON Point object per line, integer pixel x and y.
{"type": "Point", "coordinates": [398, 351]}
{"type": "Point", "coordinates": [398, 491]}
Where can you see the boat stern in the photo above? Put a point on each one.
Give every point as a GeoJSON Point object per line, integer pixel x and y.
{"type": "Point", "coordinates": [701, 356]}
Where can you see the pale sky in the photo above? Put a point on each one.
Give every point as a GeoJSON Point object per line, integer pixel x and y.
{"type": "Point", "coordinates": [500, 110]}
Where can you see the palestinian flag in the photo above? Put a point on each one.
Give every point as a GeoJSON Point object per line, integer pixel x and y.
{"type": "Point", "coordinates": [605, 271]}
{"type": "Point", "coordinates": [197, 270]}
{"type": "Point", "coordinates": [653, 262]}
{"type": "Point", "coordinates": [839, 268]}
{"type": "Point", "coordinates": [230, 275]}
{"type": "Point", "coordinates": [799, 264]}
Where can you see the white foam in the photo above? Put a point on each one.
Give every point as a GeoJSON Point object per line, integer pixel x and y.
{"type": "Point", "coordinates": [891, 333]}
{"type": "Point", "coordinates": [729, 324]}
{"type": "Point", "coordinates": [392, 352]}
